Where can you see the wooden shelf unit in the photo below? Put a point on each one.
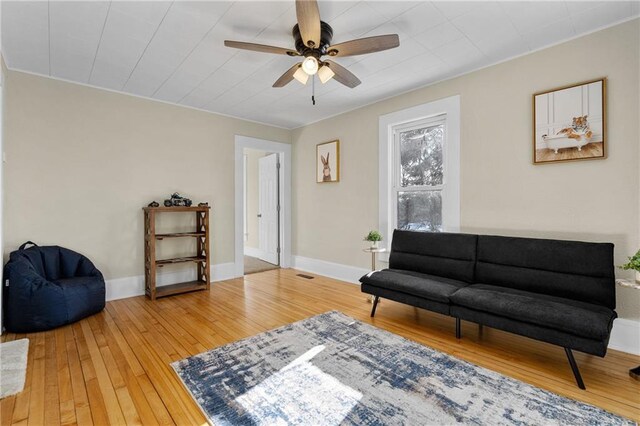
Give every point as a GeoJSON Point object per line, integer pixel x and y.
{"type": "Point", "coordinates": [201, 258]}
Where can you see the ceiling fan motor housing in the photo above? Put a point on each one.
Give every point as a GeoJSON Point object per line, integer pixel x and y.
{"type": "Point", "coordinates": [326, 35]}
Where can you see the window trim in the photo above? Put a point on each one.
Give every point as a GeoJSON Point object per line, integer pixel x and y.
{"type": "Point", "coordinates": [387, 170]}
{"type": "Point", "coordinates": [396, 186]}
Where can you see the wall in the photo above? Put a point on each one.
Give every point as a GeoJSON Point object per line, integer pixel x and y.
{"type": "Point", "coordinates": [501, 191]}
{"type": "Point", "coordinates": [253, 155]}
{"type": "Point", "coordinates": [3, 72]}
{"type": "Point", "coordinates": [82, 162]}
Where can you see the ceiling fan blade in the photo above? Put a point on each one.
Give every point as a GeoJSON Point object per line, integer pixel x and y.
{"type": "Point", "coordinates": [308, 22]}
{"type": "Point", "coordinates": [343, 75]}
{"type": "Point", "coordinates": [287, 76]}
{"type": "Point", "coordinates": [260, 48]}
{"type": "Point", "coordinates": [364, 45]}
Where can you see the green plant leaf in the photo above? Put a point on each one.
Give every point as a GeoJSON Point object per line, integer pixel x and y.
{"type": "Point", "coordinates": [633, 263]}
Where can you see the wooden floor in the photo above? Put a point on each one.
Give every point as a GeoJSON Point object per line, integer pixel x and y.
{"type": "Point", "coordinates": [113, 368]}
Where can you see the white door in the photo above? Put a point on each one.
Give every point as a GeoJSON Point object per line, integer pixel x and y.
{"type": "Point", "coordinates": [268, 208]}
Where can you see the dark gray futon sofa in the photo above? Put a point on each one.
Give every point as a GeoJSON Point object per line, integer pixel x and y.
{"type": "Point", "coordinates": [560, 292]}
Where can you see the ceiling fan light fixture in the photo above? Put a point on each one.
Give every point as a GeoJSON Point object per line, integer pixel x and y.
{"type": "Point", "coordinates": [310, 65]}
{"type": "Point", "coordinates": [325, 73]}
{"type": "Point", "coordinates": [301, 75]}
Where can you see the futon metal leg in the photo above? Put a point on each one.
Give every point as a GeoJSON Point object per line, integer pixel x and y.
{"type": "Point", "coordinates": [574, 368]}
{"type": "Point", "coordinates": [458, 332]}
{"type": "Point", "coordinates": [375, 305]}
{"type": "Point", "coordinates": [635, 373]}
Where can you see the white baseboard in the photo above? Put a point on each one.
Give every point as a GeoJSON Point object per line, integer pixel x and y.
{"type": "Point", "coordinates": [222, 272]}
{"type": "Point", "coordinates": [350, 274]}
{"type": "Point", "coordinates": [120, 288]}
{"type": "Point", "coordinates": [253, 252]}
{"type": "Point", "coordinates": [625, 336]}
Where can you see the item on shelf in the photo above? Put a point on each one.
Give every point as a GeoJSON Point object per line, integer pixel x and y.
{"type": "Point", "coordinates": [177, 200]}
{"type": "Point", "coordinates": [203, 204]}
{"type": "Point", "coordinates": [153, 204]}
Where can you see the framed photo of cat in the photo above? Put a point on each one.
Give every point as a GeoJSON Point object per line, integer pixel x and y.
{"type": "Point", "coordinates": [328, 162]}
{"type": "Point", "coordinates": [569, 123]}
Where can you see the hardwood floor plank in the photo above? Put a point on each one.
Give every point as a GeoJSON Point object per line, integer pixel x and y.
{"type": "Point", "coordinates": [52, 406]}
{"type": "Point", "coordinates": [96, 400]}
{"type": "Point", "coordinates": [82, 410]}
{"type": "Point", "coordinates": [118, 340]}
{"type": "Point", "coordinates": [96, 403]}
{"type": "Point", "coordinates": [36, 404]}
{"type": "Point", "coordinates": [65, 390]}
{"type": "Point", "coordinates": [127, 378]}
{"type": "Point", "coordinates": [21, 407]}
{"type": "Point", "coordinates": [159, 409]}
{"type": "Point", "coordinates": [6, 409]}
{"type": "Point", "coordinates": [114, 411]}
{"type": "Point", "coordinates": [113, 368]}
{"type": "Point", "coordinates": [162, 378]}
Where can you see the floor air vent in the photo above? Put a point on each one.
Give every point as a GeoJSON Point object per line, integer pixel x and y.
{"type": "Point", "coordinates": [305, 276]}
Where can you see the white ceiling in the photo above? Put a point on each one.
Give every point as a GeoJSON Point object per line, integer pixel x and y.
{"type": "Point", "coordinates": [173, 51]}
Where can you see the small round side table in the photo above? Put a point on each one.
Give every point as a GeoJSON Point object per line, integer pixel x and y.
{"type": "Point", "coordinates": [374, 252]}
{"type": "Point", "coordinates": [634, 372]}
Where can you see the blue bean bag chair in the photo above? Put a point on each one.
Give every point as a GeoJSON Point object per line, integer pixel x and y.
{"type": "Point", "coordinates": [49, 287]}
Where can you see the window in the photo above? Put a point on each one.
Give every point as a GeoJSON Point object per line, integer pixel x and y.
{"type": "Point", "coordinates": [419, 175]}
{"type": "Point", "coordinates": [419, 170]}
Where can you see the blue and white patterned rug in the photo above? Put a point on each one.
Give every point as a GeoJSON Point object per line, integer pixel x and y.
{"type": "Point", "coordinates": [332, 369]}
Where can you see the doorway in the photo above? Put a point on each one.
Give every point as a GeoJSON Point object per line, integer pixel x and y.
{"type": "Point", "coordinates": [261, 211]}
{"type": "Point", "coordinates": [263, 205]}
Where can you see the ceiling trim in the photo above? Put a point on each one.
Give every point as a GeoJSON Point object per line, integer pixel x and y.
{"type": "Point", "coordinates": [105, 89]}
{"type": "Point", "coordinates": [566, 40]}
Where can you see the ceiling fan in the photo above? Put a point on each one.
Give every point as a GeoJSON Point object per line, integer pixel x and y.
{"type": "Point", "coordinates": [312, 39]}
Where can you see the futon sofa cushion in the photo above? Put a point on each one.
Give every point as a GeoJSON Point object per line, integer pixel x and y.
{"type": "Point", "coordinates": [579, 318]}
{"type": "Point", "coordinates": [414, 283]}
{"type": "Point", "coordinates": [434, 253]}
{"type": "Point", "coordinates": [568, 269]}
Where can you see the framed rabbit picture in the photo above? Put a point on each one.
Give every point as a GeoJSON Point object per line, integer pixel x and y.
{"type": "Point", "coordinates": [328, 162]}
{"type": "Point", "coordinates": [569, 123]}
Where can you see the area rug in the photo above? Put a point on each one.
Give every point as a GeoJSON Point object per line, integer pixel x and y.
{"type": "Point", "coordinates": [332, 369]}
{"type": "Point", "coordinates": [13, 366]}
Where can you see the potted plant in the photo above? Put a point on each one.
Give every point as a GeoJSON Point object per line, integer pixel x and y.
{"type": "Point", "coordinates": [374, 237]}
{"type": "Point", "coordinates": [633, 264]}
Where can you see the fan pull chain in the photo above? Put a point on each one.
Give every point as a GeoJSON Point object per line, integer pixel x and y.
{"type": "Point", "coordinates": [313, 89]}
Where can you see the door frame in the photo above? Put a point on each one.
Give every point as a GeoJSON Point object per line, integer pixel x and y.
{"type": "Point", "coordinates": [263, 253]}
{"type": "Point", "coordinates": [284, 151]}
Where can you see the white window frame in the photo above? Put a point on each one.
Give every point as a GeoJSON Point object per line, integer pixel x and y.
{"type": "Point", "coordinates": [388, 169]}
{"type": "Point", "coordinates": [396, 187]}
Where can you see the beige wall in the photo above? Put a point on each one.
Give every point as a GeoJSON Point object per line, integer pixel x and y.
{"type": "Point", "coordinates": [501, 191]}
{"type": "Point", "coordinates": [82, 162]}
{"type": "Point", "coordinates": [253, 155]}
